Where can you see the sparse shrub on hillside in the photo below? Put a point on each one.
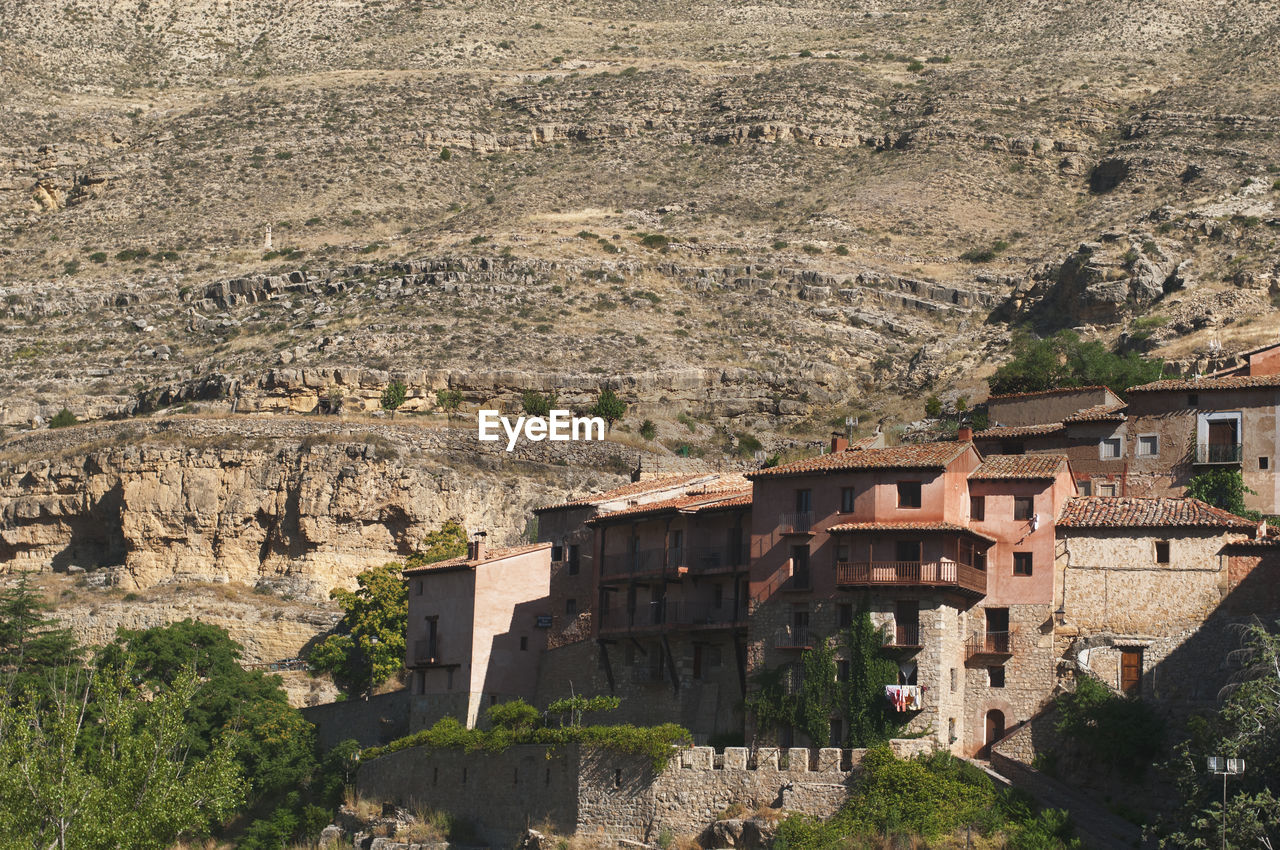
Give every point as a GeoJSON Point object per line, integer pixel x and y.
{"type": "Point", "coordinates": [63, 418]}
{"type": "Point", "coordinates": [393, 396]}
{"type": "Point", "coordinates": [654, 240]}
{"type": "Point", "coordinates": [535, 403]}
{"type": "Point", "coordinates": [446, 154]}
{"type": "Point", "coordinates": [98, 257]}
{"type": "Point", "coordinates": [648, 430]}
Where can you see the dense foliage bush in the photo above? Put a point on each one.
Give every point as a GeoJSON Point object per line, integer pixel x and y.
{"type": "Point", "coordinates": [1123, 733]}
{"type": "Point", "coordinates": [1065, 360]}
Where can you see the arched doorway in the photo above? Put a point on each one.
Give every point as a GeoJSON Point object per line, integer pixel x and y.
{"type": "Point", "coordinates": [995, 730]}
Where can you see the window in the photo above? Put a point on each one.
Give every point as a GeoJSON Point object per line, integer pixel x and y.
{"type": "Point", "coordinates": [951, 729]}
{"type": "Point", "coordinates": [847, 495]}
{"type": "Point", "coordinates": [1193, 400]}
{"type": "Point", "coordinates": [493, 699]}
{"type": "Point", "coordinates": [842, 670]}
{"type": "Point", "coordinates": [717, 596]}
{"type": "Point", "coordinates": [995, 677]}
{"type": "Point", "coordinates": [1110, 448]}
{"type": "Point", "coordinates": [573, 559]}
{"type": "Point", "coordinates": [907, 550]}
{"type": "Point", "coordinates": [1130, 670]}
{"type": "Point", "coordinates": [571, 608]}
{"type": "Point", "coordinates": [1148, 445]}
{"type": "Point", "coordinates": [955, 676]}
{"type": "Point", "coordinates": [800, 567]}
{"type": "Point", "coordinates": [909, 494]}
{"type": "Point", "coordinates": [418, 583]}
{"type": "Point", "coordinates": [1085, 488]}
{"type": "Point", "coordinates": [448, 679]}
{"type": "Point", "coordinates": [977, 508]}
{"type": "Point", "coordinates": [1023, 507]}
{"type": "Point", "coordinates": [524, 644]}
{"type": "Point", "coordinates": [1022, 563]}
{"type": "Point", "coordinates": [804, 501]}
{"type": "Point", "coordinates": [557, 553]}
{"type": "Point", "coordinates": [433, 634]}
{"type": "Point", "coordinates": [1264, 463]}
{"type": "Point", "coordinates": [845, 614]}
{"type": "Point", "coordinates": [697, 661]}
{"type": "Point", "coordinates": [1162, 551]}
{"type": "Point", "coordinates": [1106, 488]}
{"type": "Point", "coordinates": [842, 553]}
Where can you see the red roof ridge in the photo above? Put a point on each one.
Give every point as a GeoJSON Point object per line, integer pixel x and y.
{"type": "Point", "coordinates": [911, 456]}
{"type": "Point", "coordinates": [1032, 466]}
{"type": "Point", "coordinates": [1226, 382]}
{"type": "Point", "coordinates": [490, 555]}
{"type": "Point", "coordinates": [1146, 512]}
{"type": "Point", "coordinates": [1054, 391]}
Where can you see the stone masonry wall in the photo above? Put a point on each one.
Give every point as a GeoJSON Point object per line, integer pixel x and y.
{"type": "Point", "coordinates": [613, 796]}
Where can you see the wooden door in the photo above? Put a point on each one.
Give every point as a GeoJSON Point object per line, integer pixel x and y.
{"type": "Point", "coordinates": [1130, 670]}
{"type": "Point", "coordinates": [995, 729]}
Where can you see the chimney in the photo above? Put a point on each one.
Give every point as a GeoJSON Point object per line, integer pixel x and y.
{"type": "Point", "coordinates": [839, 442]}
{"type": "Point", "coordinates": [965, 434]}
{"type": "Point", "coordinates": [1262, 530]}
{"type": "Point", "coordinates": [476, 548]}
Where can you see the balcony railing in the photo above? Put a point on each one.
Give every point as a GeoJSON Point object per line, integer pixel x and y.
{"type": "Point", "coordinates": [944, 573]}
{"type": "Point", "coordinates": [640, 562]}
{"type": "Point", "coordinates": [988, 643]}
{"type": "Point", "coordinates": [1219, 453]}
{"type": "Point", "coordinates": [701, 613]}
{"type": "Point", "coordinates": [904, 635]}
{"type": "Point", "coordinates": [710, 558]}
{"type": "Point", "coordinates": [798, 522]}
{"type": "Point", "coordinates": [793, 637]}
{"type": "Point", "coordinates": [426, 652]}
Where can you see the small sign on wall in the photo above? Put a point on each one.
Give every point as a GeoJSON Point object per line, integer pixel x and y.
{"type": "Point", "coordinates": [544, 621]}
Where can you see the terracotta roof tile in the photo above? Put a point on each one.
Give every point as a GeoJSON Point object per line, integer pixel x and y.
{"type": "Point", "coordinates": [1231, 382]}
{"type": "Point", "coordinates": [1001, 431]}
{"type": "Point", "coordinates": [689, 503]}
{"type": "Point", "coordinates": [916, 456]}
{"type": "Point", "coordinates": [1125, 512]}
{"type": "Point", "coordinates": [489, 555]}
{"type": "Point", "coordinates": [1055, 391]}
{"type": "Point", "coordinates": [878, 527]}
{"type": "Point", "coordinates": [1000, 467]}
{"type": "Point", "coordinates": [1099, 413]}
{"type": "Point", "coordinates": [635, 488]}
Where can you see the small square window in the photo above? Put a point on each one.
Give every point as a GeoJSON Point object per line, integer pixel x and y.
{"type": "Point", "coordinates": [842, 670]}
{"type": "Point", "coordinates": [909, 494]}
{"type": "Point", "coordinates": [977, 508]}
{"type": "Point", "coordinates": [1162, 551]}
{"type": "Point", "coordinates": [1264, 463]}
{"type": "Point", "coordinates": [1106, 488]}
{"type": "Point", "coordinates": [573, 559]}
{"type": "Point", "coordinates": [1148, 445]}
{"type": "Point", "coordinates": [845, 615]}
{"type": "Point", "coordinates": [954, 679]}
{"type": "Point", "coordinates": [1023, 507]}
{"type": "Point", "coordinates": [1084, 488]}
{"type": "Point", "coordinates": [847, 496]}
{"type": "Point", "coordinates": [1110, 448]}
{"type": "Point", "coordinates": [524, 644]}
{"type": "Point", "coordinates": [571, 607]}
{"type": "Point", "coordinates": [842, 553]}
{"type": "Point", "coordinates": [557, 553]}
{"type": "Point", "coordinates": [1022, 563]}
{"type": "Point", "coordinates": [418, 587]}
{"type": "Point", "coordinates": [995, 676]}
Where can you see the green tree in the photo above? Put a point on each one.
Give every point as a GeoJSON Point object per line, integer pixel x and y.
{"type": "Point", "coordinates": [609, 407]}
{"type": "Point", "coordinates": [449, 401]}
{"type": "Point", "coordinates": [866, 711]}
{"type": "Point", "coordinates": [648, 430]}
{"type": "Point", "coordinates": [368, 645]}
{"type": "Point", "coordinates": [537, 404]}
{"type": "Point", "coordinates": [933, 407]}
{"type": "Point", "coordinates": [393, 396]}
{"type": "Point", "coordinates": [1065, 360]}
{"type": "Point", "coordinates": [63, 419]}
{"type": "Point", "coordinates": [1121, 733]}
{"type": "Point", "coordinates": [1222, 488]}
{"type": "Point", "coordinates": [450, 541]}
{"type": "Point", "coordinates": [31, 643]}
{"type": "Point", "coordinates": [1247, 726]}
{"type": "Point", "coordinates": [104, 763]}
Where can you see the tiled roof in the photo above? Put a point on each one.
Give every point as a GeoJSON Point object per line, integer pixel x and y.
{"type": "Point", "coordinates": [1125, 512]}
{"type": "Point", "coordinates": [916, 456]}
{"type": "Point", "coordinates": [1098, 413]}
{"type": "Point", "coordinates": [1001, 431]}
{"type": "Point", "coordinates": [1055, 391]}
{"type": "Point", "coordinates": [1245, 355]}
{"type": "Point", "coordinates": [489, 555]}
{"type": "Point", "coordinates": [1230, 382]}
{"type": "Point", "coordinates": [636, 488]}
{"type": "Point", "coordinates": [689, 503]}
{"type": "Point", "coordinates": [880, 527]}
{"type": "Point", "coordinates": [999, 467]}
{"type": "Point", "coordinates": [863, 443]}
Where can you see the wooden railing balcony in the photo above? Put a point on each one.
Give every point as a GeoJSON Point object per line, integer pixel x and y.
{"type": "Point", "coordinates": [640, 562]}
{"type": "Point", "coordinates": [988, 644]}
{"type": "Point", "coordinates": [796, 523]}
{"type": "Point", "coordinates": [426, 652]}
{"type": "Point", "coordinates": [701, 559]}
{"type": "Point", "coordinates": [793, 637]}
{"type": "Point", "coordinates": [903, 635]}
{"type": "Point", "coordinates": [944, 573]}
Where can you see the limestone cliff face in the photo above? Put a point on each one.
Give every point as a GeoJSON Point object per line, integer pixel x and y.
{"type": "Point", "coordinates": [283, 504]}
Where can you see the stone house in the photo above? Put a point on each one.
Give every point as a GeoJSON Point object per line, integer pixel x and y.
{"type": "Point", "coordinates": [950, 553]}
{"type": "Point", "coordinates": [1037, 408]}
{"type": "Point", "coordinates": [476, 630]}
{"type": "Point", "coordinates": [1187, 426]}
{"type": "Point", "coordinates": [1146, 591]}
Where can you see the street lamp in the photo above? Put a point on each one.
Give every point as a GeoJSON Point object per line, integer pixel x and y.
{"type": "Point", "coordinates": [1225, 767]}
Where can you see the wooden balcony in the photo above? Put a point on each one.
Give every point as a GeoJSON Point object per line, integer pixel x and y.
{"type": "Point", "coordinates": [903, 636]}
{"type": "Point", "coordinates": [946, 574]}
{"type": "Point", "coordinates": [793, 637]}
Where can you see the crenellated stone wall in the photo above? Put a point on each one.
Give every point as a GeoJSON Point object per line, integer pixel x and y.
{"type": "Point", "coordinates": [612, 796]}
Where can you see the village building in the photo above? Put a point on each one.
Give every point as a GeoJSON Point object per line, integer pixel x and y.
{"type": "Point", "coordinates": [477, 626]}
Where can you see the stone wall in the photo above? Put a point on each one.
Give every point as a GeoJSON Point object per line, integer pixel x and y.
{"type": "Point", "coordinates": [611, 796]}
{"type": "Point", "coordinates": [378, 720]}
